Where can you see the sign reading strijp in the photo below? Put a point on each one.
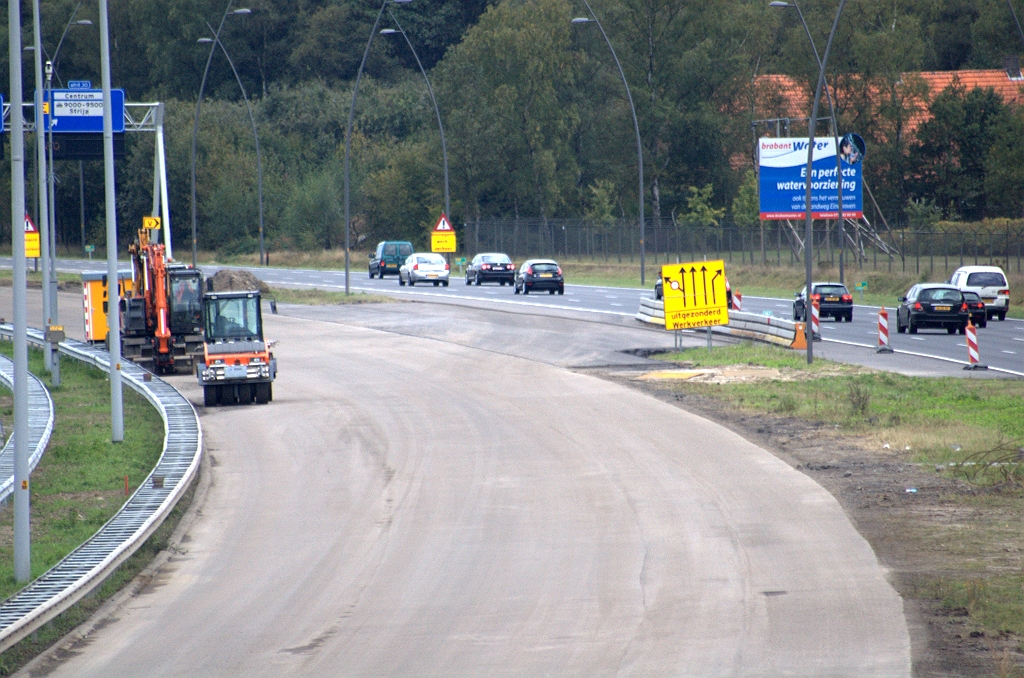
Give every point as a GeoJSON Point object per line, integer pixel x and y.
{"type": "Point", "coordinates": [694, 295]}
{"type": "Point", "coordinates": [81, 110]}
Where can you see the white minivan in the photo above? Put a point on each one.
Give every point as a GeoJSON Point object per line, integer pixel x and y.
{"type": "Point", "coordinates": [990, 284]}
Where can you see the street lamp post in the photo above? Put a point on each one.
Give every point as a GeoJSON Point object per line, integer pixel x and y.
{"type": "Point", "coordinates": [348, 135]}
{"type": "Point", "coordinates": [199, 100]}
{"type": "Point", "coordinates": [440, 126]}
{"type": "Point", "coordinates": [636, 128]}
{"type": "Point", "coordinates": [835, 130]}
{"type": "Point", "coordinates": [255, 136]}
{"type": "Point", "coordinates": [812, 122]}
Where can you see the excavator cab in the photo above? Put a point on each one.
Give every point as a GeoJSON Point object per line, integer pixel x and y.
{"type": "Point", "coordinates": [186, 300]}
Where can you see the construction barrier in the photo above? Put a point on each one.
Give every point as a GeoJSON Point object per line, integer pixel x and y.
{"type": "Point", "coordinates": [816, 320]}
{"type": "Point", "coordinates": [746, 325]}
{"type": "Point", "coordinates": [737, 301]}
{"type": "Point", "coordinates": [973, 356]}
{"type": "Point", "coordinates": [883, 332]}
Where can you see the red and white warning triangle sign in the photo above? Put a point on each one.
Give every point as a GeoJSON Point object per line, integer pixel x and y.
{"type": "Point", "coordinates": [443, 224]}
{"type": "Point", "coordinates": [30, 226]}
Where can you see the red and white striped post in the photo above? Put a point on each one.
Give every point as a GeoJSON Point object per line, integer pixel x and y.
{"type": "Point", "coordinates": [972, 349]}
{"type": "Point", "coordinates": [816, 319]}
{"type": "Point", "coordinates": [737, 301]}
{"type": "Point", "coordinates": [883, 332]}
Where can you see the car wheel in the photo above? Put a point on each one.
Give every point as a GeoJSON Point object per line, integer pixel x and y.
{"type": "Point", "coordinates": [401, 280]}
{"type": "Point", "coordinates": [983, 323]}
{"type": "Point", "coordinates": [1002, 316]}
{"type": "Point", "coordinates": [951, 330]}
{"type": "Point", "coordinates": [262, 393]}
{"type": "Point", "coordinates": [478, 279]}
{"type": "Point", "coordinates": [911, 327]}
{"type": "Point", "coordinates": [551, 292]}
{"type": "Point", "coordinates": [468, 281]}
{"type": "Point", "coordinates": [209, 396]}
{"type": "Point", "coordinates": [561, 290]}
{"type": "Point", "coordinates": [962, 329]}
{"type": "Point", "coordinates": [370, 271]}
{"type": "Point", "coordinates": [849, 317]}
{"type": "Point", "coordinates": [412, 283]}
{"type": "Point", "coordinates": [900, 329]}
{"type": "Point", "coordinates": [526, 290]}
{"type": "Point", "coordinates": [444, 283]}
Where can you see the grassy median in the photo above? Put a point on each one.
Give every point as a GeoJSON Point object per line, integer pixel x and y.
{"type": "Point", "coordinates": [79, 482]}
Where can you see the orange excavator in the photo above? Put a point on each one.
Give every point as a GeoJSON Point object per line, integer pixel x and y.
{"type": "Point", "coordinates": [161, 319]}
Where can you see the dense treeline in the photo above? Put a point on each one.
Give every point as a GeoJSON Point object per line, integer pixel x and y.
{"type": "Point", "coordinates": [536, 118]}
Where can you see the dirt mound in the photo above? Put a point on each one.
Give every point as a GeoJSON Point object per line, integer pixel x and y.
{"type": "Point", "coordinates": [237, 281]}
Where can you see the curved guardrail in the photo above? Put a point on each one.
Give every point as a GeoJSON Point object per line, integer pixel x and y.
{"type": "Point", "coordinates": [767, 328]}
{"type": "Point", "coordinates": [40, 426]}
{"type": "Point", "coordinates": [87, 566]}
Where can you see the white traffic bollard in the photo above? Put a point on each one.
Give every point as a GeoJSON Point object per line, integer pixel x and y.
{"type": "Point", "coordinates": [973, 356]}
{"type": "Point", "coordinates": [883, 332]}
{"type": "Point", "coordinates": [816, 319]}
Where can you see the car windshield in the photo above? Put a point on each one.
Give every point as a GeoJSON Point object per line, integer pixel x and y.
{"type": "Point", "coordinates": [435, 259]}
{"type": "Point", "coordinates": [495, 259]}
{"type": "Point", "coordinates": [233, 318]}
{"type": "Point", "coordinates": [952, 296]}
{"type": "Point", "coordinates": [830, 290]}
{"type": "Point", "coordinates": [971, 296]}
{"type": "Point", "coordinates": [405, 249]}
{"type": "Point", "coordinates": [545, 267]}
{"type": "Point", "coordinates": [986, 279]}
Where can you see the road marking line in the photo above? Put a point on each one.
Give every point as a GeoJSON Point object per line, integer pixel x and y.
{"type": "Point", "coordinates": [1010, 352]}
{"type": "Point", "coordinates": [615, 304]}
{"type": "Point", "coordinates": [923, 355]}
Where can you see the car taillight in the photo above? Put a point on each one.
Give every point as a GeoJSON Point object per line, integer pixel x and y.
{"type": "Point", "coordinates": [559, 271]}
{"type": "Point", "coordinates": [815, 297]}
{"type": "Point", "coordinates": [1004, 292]}
{"type": "Point", "coordinates": [917, 306]}
{"type": "Point", "coordinates": [847, 297]}
{"type": "Point", "coordinates": [485, 267]}
{"type": "Point", "coordinates": [446, 267]}
{"type": "Point", "coordinates": [415, 267]}
{"type": "Point", "coordinates": [963, 307]}
{"type": "Point", "coordinates": [529, 271]}
{"type": "Point", "coordinates": [510, 266]}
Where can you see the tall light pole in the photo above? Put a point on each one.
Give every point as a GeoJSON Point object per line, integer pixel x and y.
{"type": "Point", "coordinates": [113, 291]}
{"type": "Point", "coordinates": [43, 215]}
{"type": "Point", "coordinates": [444, 149]}
{"type": "Point", "coordinates": [348, 135]}
{"type": "Point", "coordinates": [199, 101]}
{"type": "Point", "coordinates": [811, 124]}
{"type": "Point", "coordinates": [22, 540]}
{"type": "Point", "coordinates": [835, 131]}
{"type": "Point", "coordinates": [1015, 19]}
{"type": "Point", "coordinates": [255, 135]}
{"type": "Point", "coordinates": [636, 129]}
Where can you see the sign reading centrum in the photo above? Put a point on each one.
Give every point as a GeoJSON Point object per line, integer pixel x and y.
{"type": "Point", "coordinates": [783, 186]}
{"type": "Point", "coordinates": [81, 110]}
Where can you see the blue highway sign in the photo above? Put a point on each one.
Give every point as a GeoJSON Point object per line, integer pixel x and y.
{"type": "Point", "coordinates": [81, 110]}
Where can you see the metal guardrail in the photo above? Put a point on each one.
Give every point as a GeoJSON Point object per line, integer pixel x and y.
{"type": "Point", "coordinates": [747, 325]}
{"type": "Point", "coordinates": [89, 565]}
{"type": "Point", "coordinates": [40, 426]}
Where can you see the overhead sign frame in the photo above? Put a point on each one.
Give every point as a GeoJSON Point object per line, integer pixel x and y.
{"type": "Point", "coordinates": [695, 295]}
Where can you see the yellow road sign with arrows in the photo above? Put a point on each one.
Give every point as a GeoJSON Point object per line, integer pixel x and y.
{"type": "Point", "coordinates": [694, 295]}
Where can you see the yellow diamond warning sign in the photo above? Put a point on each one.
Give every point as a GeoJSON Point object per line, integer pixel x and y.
{"type": "Point", "coordinates": [694, 295]}
{"type": "Point", "coordinates": [442, 238]}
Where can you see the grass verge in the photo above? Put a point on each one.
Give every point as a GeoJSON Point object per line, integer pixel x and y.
{"type": "Point", "coordinates": [318, 297]}
{"type": "Point", "coordinates": [78, 486]}
{"type": "Point", "coordinates": [962, 551]}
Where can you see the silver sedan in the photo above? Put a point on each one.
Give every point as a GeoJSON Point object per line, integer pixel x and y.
{"type": "Point", "coordinates": [424, 267]}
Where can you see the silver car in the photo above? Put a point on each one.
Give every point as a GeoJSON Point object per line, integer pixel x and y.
{"type": "Point", "coordinates": [424, 267]}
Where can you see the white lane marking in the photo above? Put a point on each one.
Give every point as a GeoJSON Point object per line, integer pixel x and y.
{"type": "Point", "coordinates": [961, 345]}
{"type": "Point", "coordinates": [869, 333]}
{"type": "Point", "coordinates": [1015, 338]}
{"type": "Point", "coordinates": [621, 304]}
{"type": "Point", "coordinates": [788, 305]}
{"type": "Point", "coordinates": [577, 301]}
{"type": "Point", "coordinates": [914, 338]}
{"type": "Point", "coordinates": [1010, 352]}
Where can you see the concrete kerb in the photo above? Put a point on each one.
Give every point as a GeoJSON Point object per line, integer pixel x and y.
{"type": "Point", "coordinates": [769, 329]}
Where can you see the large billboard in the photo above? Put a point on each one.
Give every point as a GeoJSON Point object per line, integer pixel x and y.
{"type": "Point", "coordinates": [783, 187]}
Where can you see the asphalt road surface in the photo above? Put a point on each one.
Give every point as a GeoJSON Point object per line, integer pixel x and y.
{"type": "Point", "coordinates": [433, 507]}
{"type": "Point", "coordinates": [929, 353]}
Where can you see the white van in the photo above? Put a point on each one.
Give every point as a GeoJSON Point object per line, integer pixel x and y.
{"type": "Point", "coordinates": [990, 284]}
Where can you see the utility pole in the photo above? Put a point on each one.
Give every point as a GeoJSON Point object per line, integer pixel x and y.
{"type": "Point", "coordinates": [22, 537]}
{"type": "Point", "coordinates": [113, 296]}
{"type": "Point", "coordinates": [43, 215]}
